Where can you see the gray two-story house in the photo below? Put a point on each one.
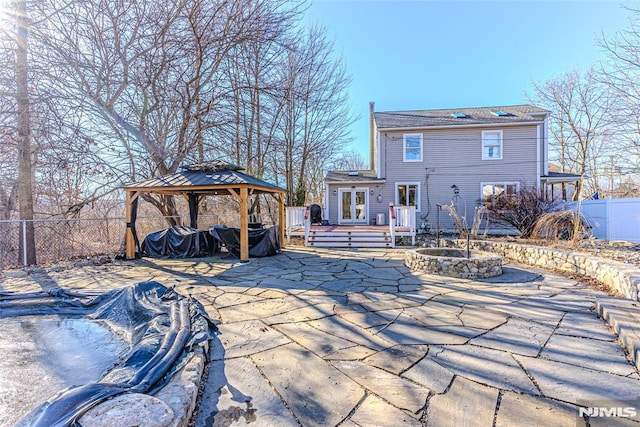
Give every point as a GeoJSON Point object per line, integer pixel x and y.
{"type": "Point", "coordinates": [431, 158]}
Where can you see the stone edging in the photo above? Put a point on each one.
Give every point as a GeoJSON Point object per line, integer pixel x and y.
{"type": "Point", "coordinates": [175, 401]}
{"type": "Point", "coordinates": [619, 276]}
{"type": "Point", "coordinates": [624, 318]}
{"type": "Point", "coordinates": [429, 260]}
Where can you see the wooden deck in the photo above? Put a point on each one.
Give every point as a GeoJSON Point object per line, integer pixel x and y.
{"type": "Point", "coordinates": [356, 235]}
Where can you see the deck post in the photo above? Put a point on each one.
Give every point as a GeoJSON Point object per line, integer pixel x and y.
{"type": "Point", "coordinates": [412, 230]}
{"type": "Point", "coordinates": [307, 224]}
{"type": "Point", "coordinates": [392, 224]}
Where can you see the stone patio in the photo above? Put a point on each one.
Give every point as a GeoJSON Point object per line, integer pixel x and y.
{"type": "Point", "coordinates": [354, 338]}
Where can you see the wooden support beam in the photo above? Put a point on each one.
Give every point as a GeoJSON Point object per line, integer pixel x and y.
{"type": "Point", "coordinates": [244, 224]}
{"type": "Point", "coordinates": [281, 224]}
{"type": "Point", "coordinates": [129, 241]}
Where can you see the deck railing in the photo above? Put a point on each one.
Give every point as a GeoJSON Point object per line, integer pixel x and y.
{"type": "Point", "coordinates": [294, 220]}
{"type": "Point", "coordinates": [402, 221]}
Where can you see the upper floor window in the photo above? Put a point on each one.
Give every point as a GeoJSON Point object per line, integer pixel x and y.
{"type": "Point", "coordinates": [491, 145]}
{"type": "Point", "coordinates": [408, 194]}
{"type": "Point", "coordinates": [412, 147]}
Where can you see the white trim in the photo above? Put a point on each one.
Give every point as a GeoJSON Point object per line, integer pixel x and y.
{"type": "Point", "coordinates": [327, 211]}
{"type": "Point", "coordinates": [377, 181]}
{"type": "Point", "coordinates": [545, 142]}
{"type": "Point", "coordinates": [418, 193]}
{"type": "Point", "coordinates": [538, 159]}
{"type": "Point", "coordinates": [404, 147]}
{"type": "Point", "coordinates": [352, 190]}
{"type": "Point", "coordinates": [378, 154]}
{"type": "Point", "coordinates": [475, 125]}
{"type": "Point", "coordinates": [494, 183]}
{"type": "Point", "coordinates": [500, 140]}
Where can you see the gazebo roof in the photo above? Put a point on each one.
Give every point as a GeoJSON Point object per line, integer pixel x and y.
{"type": "Point", "coordinates": [210, 178]}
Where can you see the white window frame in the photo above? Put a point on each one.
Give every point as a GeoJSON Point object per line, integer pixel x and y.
{"type": "Point", "coordinates": [404, 146]}
{"type": "Point", "coordinates": [407, 184]}
{"type": "Point", "coordinates": [500, 144]}
{"type": "Point", "coordinates": [504, 184]}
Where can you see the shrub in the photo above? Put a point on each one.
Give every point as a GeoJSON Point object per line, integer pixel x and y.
{"type": "Point", "coordinates": [521, 210]}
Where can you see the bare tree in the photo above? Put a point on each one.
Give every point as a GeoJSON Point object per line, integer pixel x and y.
{"type": "Point", "coordinates": [316, 114]}
{"type": "Point", "coordinates": [349, 160]}
{"type": "Point", "coordinates": [8, 148]}
{"type": "Point", "coordinates": [621, 73]}
{"type": "Point", "coordinates": [147, 75]}
{"type": "Point", "coordinates": [580, 123]}
{"type": "Point", "coordinates": [15, 50]}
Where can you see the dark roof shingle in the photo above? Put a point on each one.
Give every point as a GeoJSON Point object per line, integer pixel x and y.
{"type": "Point", "coordinates": [352, 176]}
{"type": "Point", "coordinates": [445, 117]}
{"type": "Point", "coordinates": [199, 178]}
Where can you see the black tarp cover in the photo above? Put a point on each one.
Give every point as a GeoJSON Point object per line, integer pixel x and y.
{"type": "Point", "coordinates": [179, 242]}
{"type": "Point", "coordinates": [262, 242]}
{"type": "Point", "coordinates": [161, 326]}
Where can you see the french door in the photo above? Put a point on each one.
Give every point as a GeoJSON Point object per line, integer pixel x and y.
{"type": "Point", "coordinates": [353, 205]}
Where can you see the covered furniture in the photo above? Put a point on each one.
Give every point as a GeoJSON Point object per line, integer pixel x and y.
{"type": "Point", "coordinates": [179, 242]}
{"type": "Point", "coordinates": [194, 183]}
{"type": "Point", "coordinates": [262, 241]}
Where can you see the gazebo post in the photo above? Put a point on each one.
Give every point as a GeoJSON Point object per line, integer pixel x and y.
{"type": "Point", "coordinates": [244, 224]}
{"type": "Point", "coordinates": [281, 223]}
{"type": "Point", "coordinates": [129, 241]}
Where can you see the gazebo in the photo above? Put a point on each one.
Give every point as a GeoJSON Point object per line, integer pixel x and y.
{"type": "Point", "coordinates": [195, 182]}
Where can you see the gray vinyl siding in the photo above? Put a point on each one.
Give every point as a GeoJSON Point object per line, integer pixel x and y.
{"type": "Point", "coordinates": [332, 212]}
{"type": "Point", "coordinates": [454, 156]}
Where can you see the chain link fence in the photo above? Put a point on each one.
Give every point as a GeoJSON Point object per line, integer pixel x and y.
{"type": "Point", "coordinates": [76, 238]}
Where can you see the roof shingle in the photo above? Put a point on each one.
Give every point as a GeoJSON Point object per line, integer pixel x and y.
{"type": "Point", "coordinates": [445, 117]}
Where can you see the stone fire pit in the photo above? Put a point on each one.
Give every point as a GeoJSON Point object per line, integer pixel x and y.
{"type": "Point", "coordinates": [454, 262]}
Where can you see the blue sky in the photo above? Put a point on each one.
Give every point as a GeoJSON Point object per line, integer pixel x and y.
{"type": "Point", "coordinates": [408, 55]}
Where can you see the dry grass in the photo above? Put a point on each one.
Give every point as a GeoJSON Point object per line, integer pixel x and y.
{"type": "Point", "coordinates": [564, 225]}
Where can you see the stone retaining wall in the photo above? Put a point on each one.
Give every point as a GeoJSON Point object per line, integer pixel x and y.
{"type": "Point", "coordinates": [619, 276]}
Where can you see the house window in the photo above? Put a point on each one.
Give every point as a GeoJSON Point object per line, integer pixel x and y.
{"type": "Point", "coordinates": [491, 190]}
{"type": "Point", "coordinates": [412, 147]}
{"type": "Point", "coordinates": [408, 194]}
{"type": "Point", "coordinates": [491, 145]}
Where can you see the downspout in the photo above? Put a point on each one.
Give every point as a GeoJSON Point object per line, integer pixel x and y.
{"type": "Point", "coordinates": [326, 213]}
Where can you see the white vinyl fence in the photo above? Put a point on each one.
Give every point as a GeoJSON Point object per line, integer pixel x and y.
{"type": "Point", "coordinates": [612, 219]}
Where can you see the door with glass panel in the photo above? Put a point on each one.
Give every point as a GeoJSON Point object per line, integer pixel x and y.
{"type": "Point", "coordinates": [352, 205]}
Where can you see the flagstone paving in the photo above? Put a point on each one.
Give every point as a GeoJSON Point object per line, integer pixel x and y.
{"type": "Point", "coordinates": [318, 337]}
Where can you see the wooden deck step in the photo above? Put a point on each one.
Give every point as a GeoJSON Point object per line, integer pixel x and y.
{"type": "Point", "coordinates": [347, 239]}
{"type": "Point", "coordinates": [350, 244]}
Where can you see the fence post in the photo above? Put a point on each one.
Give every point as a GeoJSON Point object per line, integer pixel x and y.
{"type": "Point", "coordinates": [24, 242]}
{"type": "Point", "coordinates": [609, 218]}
